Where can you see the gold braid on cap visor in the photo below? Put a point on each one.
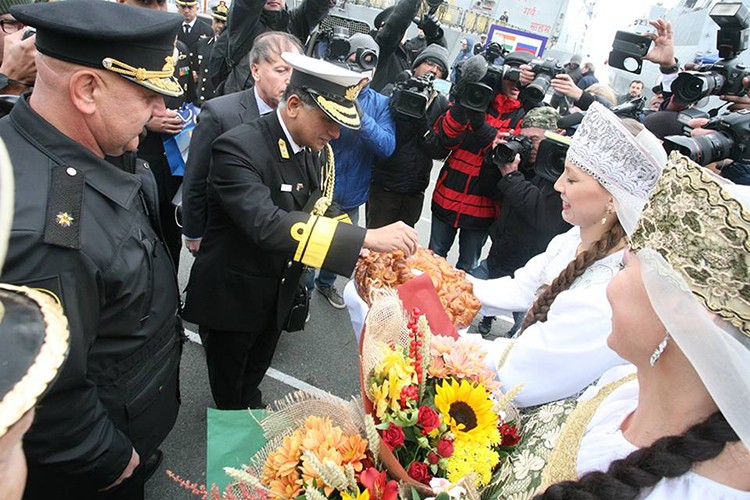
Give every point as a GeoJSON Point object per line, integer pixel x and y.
{"type": "Point", "coordinates": [704, 234]}
{"type": "Point", "coordinates": [161, 79]}
{"type": "Point", "coordinates": [345, 115]}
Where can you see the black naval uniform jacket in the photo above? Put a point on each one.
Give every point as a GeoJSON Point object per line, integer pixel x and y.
{"type": "Point", "coordinates": [84, 230]}
{"type": "Point", "coordinates": [205, 89]}
{"type": "Point", "coordinates": [259, 235]}
{"type": "Point", "coordinates": [216, 117]}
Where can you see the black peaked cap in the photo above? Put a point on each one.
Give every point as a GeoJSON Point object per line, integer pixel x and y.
{"type": "Point", "coordinates": [86, 32]}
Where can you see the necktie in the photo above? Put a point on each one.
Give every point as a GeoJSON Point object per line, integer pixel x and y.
{"type": "Point", "coordinates": [186, 28]}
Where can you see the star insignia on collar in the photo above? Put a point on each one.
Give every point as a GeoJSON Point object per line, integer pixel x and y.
{"type": "Point", "coordinates": [64, 219]}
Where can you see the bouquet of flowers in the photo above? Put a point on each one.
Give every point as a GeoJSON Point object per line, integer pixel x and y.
{"type": "Point", "coordinates": [438, 407]}
{"type": "Point", "coordinates": [317, 449]}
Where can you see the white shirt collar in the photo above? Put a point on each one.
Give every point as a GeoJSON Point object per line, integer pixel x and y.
{"type": "Point", "coordinates": [263, 108]}
{"type": "Point", "coordinates": [190, 24]}
{"type": "Point", "coordinates": [296, 148]}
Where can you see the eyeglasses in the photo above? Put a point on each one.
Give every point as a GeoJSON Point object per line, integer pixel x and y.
{"type": "Point", "coordinates": [10, 26]}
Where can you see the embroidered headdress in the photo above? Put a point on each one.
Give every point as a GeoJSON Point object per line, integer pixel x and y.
{"type": "Point", "coordinates": [626, 165]}
{"type": "Point", "coordinates": [693, 242]}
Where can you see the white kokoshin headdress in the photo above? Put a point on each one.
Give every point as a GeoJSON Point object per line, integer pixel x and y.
{"type": "Point", "coordinates": [627, 166]}
{"type": "Point", "coordinates": [693, 242]}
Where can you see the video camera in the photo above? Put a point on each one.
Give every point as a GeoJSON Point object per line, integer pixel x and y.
{"type": "Point", "coordinates": [478, 80]}
{"type": "Point", "coordinates": [411, 97]}
{"type": "Point", "coordinates": [545, 70]}
{"type": "Point", "coordinates": [732, 140]}
{"type": "Point", "coordinates": [334, 43]}
{"type": "Point", "coordinates": [726, 76]}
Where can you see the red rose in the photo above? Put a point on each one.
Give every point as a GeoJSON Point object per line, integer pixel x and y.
{"type": "Point", "coordinates": [433, 458]}
{"type": "Point", "coordinates": [445, 448]}
{"type": "Point", "coordinates": [428, 419]}
{"type": "Point", "coordinates": [393, 436]}
{"type": "Point", "coordinates": [510, 435]}
{"type": "Point", "coordinates": [418, 471]}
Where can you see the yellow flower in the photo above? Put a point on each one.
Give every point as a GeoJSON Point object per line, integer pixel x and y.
{"type": "Point", "coordinates": [467, 410]}
{"type": "Point", "coordinates": [468, 458]}
{"type": "Point", "coordinates": [390, 377]}
{"type": "Point", "coordinates": [361, 495]}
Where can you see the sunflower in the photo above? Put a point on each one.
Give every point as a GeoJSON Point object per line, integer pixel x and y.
{"type": "Point", "coordinates": [467, 410]}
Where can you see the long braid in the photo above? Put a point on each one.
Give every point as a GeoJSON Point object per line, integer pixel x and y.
{"type": "Point", "coordinates": [607, 242]}
{"type": "Point", "coordinates": [670, 456]}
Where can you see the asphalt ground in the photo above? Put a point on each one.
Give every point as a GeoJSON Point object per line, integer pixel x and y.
{"type": "Point", "coordinates": [322, 357]}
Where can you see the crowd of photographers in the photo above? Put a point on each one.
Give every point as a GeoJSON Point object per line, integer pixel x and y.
{"type": "Point", "coordinates": [501, 130]}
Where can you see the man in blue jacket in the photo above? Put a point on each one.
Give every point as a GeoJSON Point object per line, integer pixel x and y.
{"type": "Point", "coordinates": [355, 152]}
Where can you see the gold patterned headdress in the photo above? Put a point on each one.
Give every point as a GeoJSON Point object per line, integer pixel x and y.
{"type": "Point", "coordinates": [693, 244]}
{"type": "Point", "coordinates": [703, 232]}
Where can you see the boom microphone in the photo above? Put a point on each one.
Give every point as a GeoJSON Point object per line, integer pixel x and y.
{"type": "Point", "coordinates": [474, 69]}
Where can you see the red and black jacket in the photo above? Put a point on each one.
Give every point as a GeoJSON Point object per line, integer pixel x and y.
{"type": "Point", "coordinates": [456, 200]}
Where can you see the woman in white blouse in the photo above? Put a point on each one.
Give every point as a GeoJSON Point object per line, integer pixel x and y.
{"type": "Point", "coordinates": [610, 170]}
{"type": "Point", "coordinates": [681, 315]}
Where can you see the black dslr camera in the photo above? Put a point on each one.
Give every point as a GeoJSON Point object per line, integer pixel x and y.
{"type": "Point", "coordinates": [411, 97]}
{"type": "Point", "coordinates": [479, 80]}
{"type": "Point", "coordinates": [732, 140]}
{"type": "Point", "coordinates": [727, 76]}
{"type": "Point", "coordinates": [336, 46]}
{"type": "Point", "coordinates": [506, 152]}
{"type": "Point", "coordinates": [545, 70]}
{"type": "Point", "coordinates": [630, 109]}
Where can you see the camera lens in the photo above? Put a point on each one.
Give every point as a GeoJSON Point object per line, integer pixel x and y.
{"type": "Point", "coordinates": [367, 59]}
{"type": "Point", "coordinates": [692, 87]}
{"type": "Point", "coordinates": [702, 149]}
{"type": "Point", "coordinates": [537, 89]}
{"type": "Point", "coordinates": [476, 96]}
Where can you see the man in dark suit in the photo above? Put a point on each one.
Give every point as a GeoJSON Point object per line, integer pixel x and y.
{"type": "Point", "coordinates": [266, 221]}
{"type": "Point", "coordinates": [271, 74]}
{"type": "Point", "coordinates": [192, 30]}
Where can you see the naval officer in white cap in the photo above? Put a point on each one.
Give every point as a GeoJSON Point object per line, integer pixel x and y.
{"type": "Point", "coordinates": [270, 214]}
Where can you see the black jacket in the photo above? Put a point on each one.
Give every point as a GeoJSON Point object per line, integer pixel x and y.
{"type": "Point", "coordinates": [247, 19]}
{"type": "Point", "coordinates": [531, 216]}
{"type": "Point", "coordinates": [407, 170]}
{"type": "Point", "coordinates": [216, 117]}
{"type": "Point", "coordinates": [84, 230]}
{"type": "Point", "coordinates": [393, 59]}
{"type": "Point", "coordinates": [205, 88]}
{"type": "Point", "coordinates": [260, 232]}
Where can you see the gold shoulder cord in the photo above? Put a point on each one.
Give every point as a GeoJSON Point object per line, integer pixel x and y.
{"type": "Point", "coordinates": [562, 464]}
{"type": "Point", "coordinates": [329, 182]}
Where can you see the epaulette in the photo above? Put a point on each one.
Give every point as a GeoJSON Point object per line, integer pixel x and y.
{"type": "Point", "coordinates": [62, 224]}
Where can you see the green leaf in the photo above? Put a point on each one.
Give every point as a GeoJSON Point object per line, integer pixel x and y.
{"type": "Point", "coordinates": [414, 494]}
{"type": "Point", "coordinates": [442, 496]}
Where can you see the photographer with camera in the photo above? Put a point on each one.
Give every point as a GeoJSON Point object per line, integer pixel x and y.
{"type": "Point", "coordinates": [521, 174]}
{"type": "Point", "coordinates": [390, 27]}
{"type": "Point", "coordinates": [468, 129]}
{"type": "Point", "coordinates": [399, 181]}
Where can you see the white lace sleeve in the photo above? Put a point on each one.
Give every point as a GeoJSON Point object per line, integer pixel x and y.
{"type": "Point", "coordinates": [560, 357]}
{"type": "Point", "coordinates": [511, 294]}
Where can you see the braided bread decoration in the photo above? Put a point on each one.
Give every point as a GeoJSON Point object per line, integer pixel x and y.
{"type": "Point", "coordinates": [391, 269]}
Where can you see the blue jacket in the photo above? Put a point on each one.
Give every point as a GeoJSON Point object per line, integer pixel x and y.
{"type": "Point", "coordinates": [355, 150]}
